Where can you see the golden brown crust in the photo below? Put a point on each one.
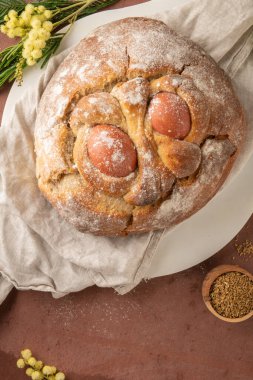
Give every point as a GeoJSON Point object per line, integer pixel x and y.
{"type": "Point", "coordinates": [110, 78]}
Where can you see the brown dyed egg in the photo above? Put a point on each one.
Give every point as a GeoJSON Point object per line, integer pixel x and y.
{"type": "Point", "coordinates": [111, 151]}
{"type": "Point", "coordinates": [170, 115]}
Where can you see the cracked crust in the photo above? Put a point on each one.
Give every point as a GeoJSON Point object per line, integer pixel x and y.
{"type": "Point", "coordinates": [110, 78]}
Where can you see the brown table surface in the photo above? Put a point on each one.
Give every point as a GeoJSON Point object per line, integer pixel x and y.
{"type": "Point", "coordinates": [161, 330]}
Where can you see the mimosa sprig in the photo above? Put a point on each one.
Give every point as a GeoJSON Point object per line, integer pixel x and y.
{"type": "Point", "coordinates": [36, 25]}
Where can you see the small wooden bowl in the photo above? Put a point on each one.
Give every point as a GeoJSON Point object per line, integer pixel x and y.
{"type": "Point", "coordinates": [207, 283]}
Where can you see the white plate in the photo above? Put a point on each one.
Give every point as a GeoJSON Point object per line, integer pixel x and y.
{"type": "Point", "coordinates": [210, 229]}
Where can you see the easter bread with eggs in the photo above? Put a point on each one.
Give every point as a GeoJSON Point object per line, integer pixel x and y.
{"type": "Point", "coordinates": [136, 131]}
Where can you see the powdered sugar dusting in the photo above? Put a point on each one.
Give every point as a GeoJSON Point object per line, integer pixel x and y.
{"type": "Point", "coordinates": [118, 157]}
{"type": "Point", "coordinates": [102, 105]}
{"type": "Point", "coordinates": [64, 73]}
{"type": "Point", "coordinates": [58, 88]}
{"type": "Point", "coordinates": [134, 92]}
{"type": "Point", "coordinates": [215, 155]}
{"type": "Point", "coordinates": [125, 51]}
{"type": "Point", "coordinates": [176, 81]}
{"type": "Point", "coordinates": [113, 144]}
{"type": "Point", "coordinates": [151, 50]}
{"type": "Point", "coordinates": [107, 141]}
{"type": "Point", "coordinates": [147, 156]}
{"type": "Point", "coordinates": [87, 218]}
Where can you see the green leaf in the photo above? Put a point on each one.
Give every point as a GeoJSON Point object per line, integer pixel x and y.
{"type": "Point", "coordinates": [9, 58]}
{"type": "Point", "coordinates": [10, 55]}
{"type": "Point", "coordinates": [51, 47]}
{"type": "Point", "coordinates": [66, 10]}
{"type": "Point", "coordinates": [7, 5]}
{"type": "Point", "coordinates": [100, 4]}
{"type": "Point", "coordinates": [53, 4]}
{"type": "Point", "coordinates": [7, 74]}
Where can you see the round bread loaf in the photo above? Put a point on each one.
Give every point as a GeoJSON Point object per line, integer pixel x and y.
{"type": "Point", "coordinates": [136, 131]}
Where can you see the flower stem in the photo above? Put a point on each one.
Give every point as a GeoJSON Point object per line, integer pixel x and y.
{"type": "Point", "coordinates": [74, 5]}
{"type": "Point", "coordinates": [75, 14]}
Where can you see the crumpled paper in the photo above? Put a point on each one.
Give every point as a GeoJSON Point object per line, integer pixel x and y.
{"type": "Point", "coordinates": [39, 250]}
